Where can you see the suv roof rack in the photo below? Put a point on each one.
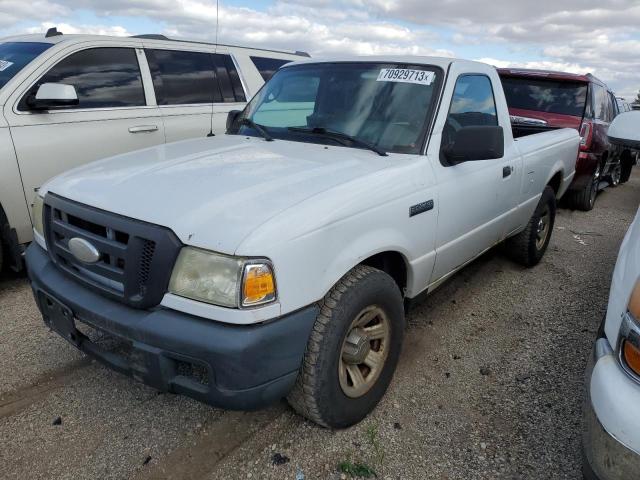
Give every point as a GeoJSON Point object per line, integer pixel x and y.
{"type": "Point", "coordinates": [159, 36]}
{"type": "Point", "coordinates": [151, 36]}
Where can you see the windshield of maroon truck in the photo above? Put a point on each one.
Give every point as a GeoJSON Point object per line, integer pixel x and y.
{"type": "Point", "coordinates": [545, 95]}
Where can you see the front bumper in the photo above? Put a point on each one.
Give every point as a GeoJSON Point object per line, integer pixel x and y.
{"type": "Point", "coordinates": [229, 366]}
{"type": "Point", "coordinates": [605, 456]}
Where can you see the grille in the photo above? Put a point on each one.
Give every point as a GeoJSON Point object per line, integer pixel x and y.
{"type": "Point", "coordinates": [136, 258]}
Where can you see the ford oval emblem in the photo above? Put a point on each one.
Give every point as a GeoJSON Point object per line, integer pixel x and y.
{"type": "Point", "coordinates": [83, 250]}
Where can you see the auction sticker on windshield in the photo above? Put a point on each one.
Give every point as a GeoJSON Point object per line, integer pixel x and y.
{"type": "Point", "coordinates": [4, 65]}
{"type": "Point", "coordinates": [406, 75]}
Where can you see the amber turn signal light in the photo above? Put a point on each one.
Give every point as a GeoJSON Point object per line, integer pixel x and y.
{"type": "Point", "coordinates": [258, 285]}
{"type": "Point", "coordinates": [631, 356]}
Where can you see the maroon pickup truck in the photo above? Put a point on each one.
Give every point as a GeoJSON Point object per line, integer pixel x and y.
{"type": "Point", "coordinates": [542, 100]}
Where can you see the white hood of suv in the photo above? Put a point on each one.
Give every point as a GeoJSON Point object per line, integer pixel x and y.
{"type": "Point", "coordinates": [213, 192]}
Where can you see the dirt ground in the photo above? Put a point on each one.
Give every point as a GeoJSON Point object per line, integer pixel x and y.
{"type": "Point", "coordinates": [489, 386]}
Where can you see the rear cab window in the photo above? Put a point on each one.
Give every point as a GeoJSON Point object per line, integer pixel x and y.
{"type": "Point", "coordinates": [546, 95]}
{"type": "Point", "coordinates": [268, 66]}
{"type": "Point", "coordinates": [103, 78]}
{"type": "Point", "coordinates": [14, 56]}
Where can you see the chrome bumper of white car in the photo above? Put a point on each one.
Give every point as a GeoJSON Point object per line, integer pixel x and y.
{"type": "Point", "coordinates": [605, 458]}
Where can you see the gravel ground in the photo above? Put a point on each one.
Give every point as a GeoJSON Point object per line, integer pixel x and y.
{"type": "Point", "coordinates": [489, 386]}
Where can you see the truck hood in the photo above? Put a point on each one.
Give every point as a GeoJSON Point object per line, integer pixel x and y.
{"type": "Point", "coordinates": [214, 192]}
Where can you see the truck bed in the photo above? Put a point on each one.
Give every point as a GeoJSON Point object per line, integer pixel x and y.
{"type": "Point", "coordinates": [526, 130]}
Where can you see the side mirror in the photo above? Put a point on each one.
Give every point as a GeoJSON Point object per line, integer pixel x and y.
{"type": "Point", "coordinates": [476, 143]}
{"type": "Point", "coordinates": [51, 96]}
{"type": "Point", "coordinates": [232, 118]}
{"type": "Point", "coordinates": [625, 130]}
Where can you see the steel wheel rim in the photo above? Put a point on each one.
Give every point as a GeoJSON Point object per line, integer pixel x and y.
{"type": "Point", "coordinates": [542, 230]}
{"type": "Point", "coordinates": [364, 351]}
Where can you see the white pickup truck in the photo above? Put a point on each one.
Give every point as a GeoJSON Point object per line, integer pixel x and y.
{"type": "Point", "coordinates": [277, 260]}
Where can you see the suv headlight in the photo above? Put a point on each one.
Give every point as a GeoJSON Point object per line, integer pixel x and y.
{"type": "Point", "coordinates": [37, 211]}
{"type": "Point", "coordinates": [222, 280]}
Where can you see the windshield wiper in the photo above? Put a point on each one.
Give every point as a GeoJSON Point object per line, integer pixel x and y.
{"type": "Point", "coordinates": [340, 137]}
{"type": "Point", "coordinates": [261, 129]}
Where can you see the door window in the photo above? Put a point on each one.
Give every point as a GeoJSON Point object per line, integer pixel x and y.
{"type": "Point", "coordinates": [268, 66]}
{"type": "Point", "coordinates": [473, 104]}
{"type": "Point", "coordinates": [102, 77]}
{"type": "Point", "coordinates": [181, 78]}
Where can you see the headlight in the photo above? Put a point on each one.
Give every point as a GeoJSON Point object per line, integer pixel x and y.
{"type": "Point", "coordinates": [222, 280]}
{"type": "Point", "coordinates": [37, 210]}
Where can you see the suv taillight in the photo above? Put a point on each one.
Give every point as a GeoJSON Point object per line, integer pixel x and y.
{"type": "Point", "coordinates": [586, 135]}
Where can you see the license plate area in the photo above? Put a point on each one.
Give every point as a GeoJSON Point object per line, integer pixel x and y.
{"type": "Point", "coordinates": [59, 317]}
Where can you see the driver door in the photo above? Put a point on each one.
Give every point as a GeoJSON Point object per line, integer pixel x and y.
{"type": "Point", "coordinates": [471, 206]}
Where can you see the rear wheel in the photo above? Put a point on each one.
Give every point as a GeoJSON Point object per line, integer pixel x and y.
{"type": "Point", "coordinates": [585, 199]}
{"type": "Point", "coordinates": [353, 350]}
{"type": "Point", "coordinates": [529, 246]}
{"type": "Point", "coordinates": [616, 175]}
{"type": "Point", "coordinates": [627, 165]}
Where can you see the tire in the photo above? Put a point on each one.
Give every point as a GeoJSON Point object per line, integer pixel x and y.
{"type": "Point", "coordinates": [627, 166]}
{"type": "Point", "coordinates": [528, 247]}
{"type": "Point", "coordinates": [1, 255]}
{"type": "Point", "coordinates": [615, 178]}
{"type": "Point", "coordinates": [325, 391]}
{"type": "Point", "coordinates": [585, 199]}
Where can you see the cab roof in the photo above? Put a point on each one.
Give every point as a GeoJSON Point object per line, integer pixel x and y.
{"type": "Point", "coordinates": [442, 62]}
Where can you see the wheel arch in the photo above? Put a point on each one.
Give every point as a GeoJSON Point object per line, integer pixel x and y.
{"type": "Point", "coordinates": [393, 263]}
{"type": "Point", "coordinates": [555, 182]}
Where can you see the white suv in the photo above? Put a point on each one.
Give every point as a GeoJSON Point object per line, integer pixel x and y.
{"type": "Point", "coordinates": [66, 100]}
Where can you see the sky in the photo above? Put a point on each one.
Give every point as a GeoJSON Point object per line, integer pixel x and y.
{"type": "Point", "coordinates": [597, 36]}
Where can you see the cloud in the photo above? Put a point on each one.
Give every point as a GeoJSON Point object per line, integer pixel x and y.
{"type": "Point", "coordinates": [600, 36]}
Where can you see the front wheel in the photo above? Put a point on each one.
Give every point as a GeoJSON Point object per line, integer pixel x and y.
{"type": "Point", "coordinates": [529, 246]}
{"type": "Point", "coordinates": [353, 350]}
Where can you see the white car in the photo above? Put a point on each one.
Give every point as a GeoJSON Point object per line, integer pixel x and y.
{"type": "Point", "coordinates": [66, 100]}
{"type": "Point", "coordinates": [277, 260]}
{"type": "Point", "coordinates": [612, 404]}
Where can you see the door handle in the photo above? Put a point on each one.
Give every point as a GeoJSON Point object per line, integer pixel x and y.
{"type": "Point", "coordinates": [143, 129]}
{"type": "Point", "coordinates": [506, 171]}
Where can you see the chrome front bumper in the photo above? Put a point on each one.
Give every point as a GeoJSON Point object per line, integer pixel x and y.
{"type": "Point", "coordinates": [605, 458]}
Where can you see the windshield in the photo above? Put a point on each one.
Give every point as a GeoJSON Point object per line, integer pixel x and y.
{"type": "Point", "coordinates": [14, 56]}
{"type": "Point", "coordinates": [552, 96]}
{"type": "Point", "coordinates": [384, 106]}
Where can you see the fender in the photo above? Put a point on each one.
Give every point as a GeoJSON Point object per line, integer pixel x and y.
{"type": "Point", "coordinates": [14, 210]}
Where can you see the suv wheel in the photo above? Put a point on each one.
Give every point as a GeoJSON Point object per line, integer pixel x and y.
{"type": "Point", "coordinates": [529, 246]}
{"type": "Point", "coordinates": [627, 165]}
{"type": "Point", "coordinates": [585, 199]}
{"type": "Point", "coordinates": [616, 175]}
{"type": "Point", "coordinates": [352, 351]}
